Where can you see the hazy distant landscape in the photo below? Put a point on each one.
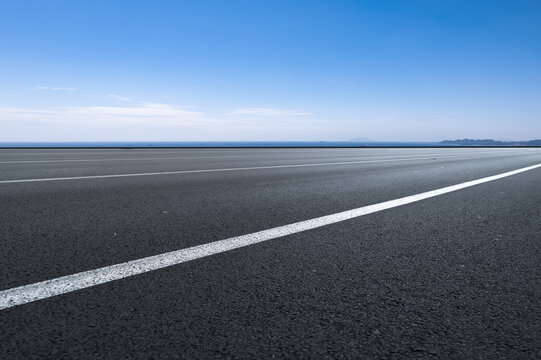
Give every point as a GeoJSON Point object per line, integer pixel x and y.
{"type": "Point", "coordinates": [264, 144]}
{"type": "Point", "coordinates": [490, 142]}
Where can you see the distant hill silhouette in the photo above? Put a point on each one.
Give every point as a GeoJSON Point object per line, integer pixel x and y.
{"type": "Point", "coordinates": [490, 142]}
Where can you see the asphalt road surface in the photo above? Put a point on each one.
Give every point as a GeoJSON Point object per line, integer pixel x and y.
{"type": "Point", "coordinates": [454, 273]}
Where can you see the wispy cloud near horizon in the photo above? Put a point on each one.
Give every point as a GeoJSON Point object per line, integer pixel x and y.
{"type": "Point", "coordinates": [119, 97]}
{"type": "Point", "coordinates": [39, 87]}
{"type": "Point", "coordinates": [267, 112]}
{"type": "Point", "coordinates": [145, 112]}
{"type": "Point", "coordinates": [145, 121]}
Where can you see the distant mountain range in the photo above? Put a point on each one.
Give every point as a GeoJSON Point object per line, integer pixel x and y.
{"type": "Point", "coordinates": [490, 142]}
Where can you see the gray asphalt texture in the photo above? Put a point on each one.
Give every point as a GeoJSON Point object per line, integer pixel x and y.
{"type": "Point", "coordinates": [456, 276]}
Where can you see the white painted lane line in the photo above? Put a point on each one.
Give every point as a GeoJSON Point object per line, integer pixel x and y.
{"type": "Point", "coordinates": [45, 289]}
{"type": "Point", "coordinates": [102, 151]}
{"type": "Point", "coordinates": [123, 159]}
{"type": "Point", "coordinates": [219, 157]}
{"type": "Point", "coordinates": [7, 152]}
{"type": "Point", "coordinates": [219, 170]}
{"type": "Point", "coordinates": [196, 157]}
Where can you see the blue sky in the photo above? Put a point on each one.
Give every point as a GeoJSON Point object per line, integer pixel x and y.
{"type": "Point", "coordinates": [269, 70]}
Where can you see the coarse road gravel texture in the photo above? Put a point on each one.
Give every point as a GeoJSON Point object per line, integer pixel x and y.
{"type": "Point", "coordinates": [455, 276]}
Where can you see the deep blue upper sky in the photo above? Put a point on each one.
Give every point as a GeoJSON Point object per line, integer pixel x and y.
{"type": "Point", "coordinates": [269, 70]}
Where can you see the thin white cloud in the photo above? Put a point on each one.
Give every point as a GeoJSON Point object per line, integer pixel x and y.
{"type": "Point", "coordinates": [267, 112]}
{"type": "Point", "coordinates": [39, 87]}
{"type": "Point", "coordinates": [151, 121]}
{"type": "Point", "coordinates": [152, 113]}
{"type": "Point", "coordinates": [119, 97]}
{"type": "Point", "coordinates": [143, 110]}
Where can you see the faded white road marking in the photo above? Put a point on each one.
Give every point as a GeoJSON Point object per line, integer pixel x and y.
{"type": "Point", "coordinates": [45, 289]}
{"type": "Point", "coordinates": [221, 157]}
{"type": "Point", "coordinates": [221, 170]}
{"type": "Point", "coordinates": [123, 159]}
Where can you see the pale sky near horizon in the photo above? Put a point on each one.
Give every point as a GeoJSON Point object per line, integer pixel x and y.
{"type": "Point", "coordinates": [269, 70]}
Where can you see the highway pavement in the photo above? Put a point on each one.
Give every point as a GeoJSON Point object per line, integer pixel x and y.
{"type": "Point", "coordinates": [270, 253]}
